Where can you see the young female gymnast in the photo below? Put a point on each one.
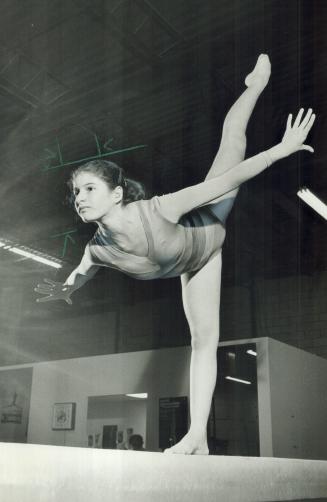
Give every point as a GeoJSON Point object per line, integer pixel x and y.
{"type": "Point", "coordinates": [177, 234]}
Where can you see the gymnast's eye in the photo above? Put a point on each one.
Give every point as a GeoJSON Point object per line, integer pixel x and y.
{"type": "Point", "coordinates": [89, 189]}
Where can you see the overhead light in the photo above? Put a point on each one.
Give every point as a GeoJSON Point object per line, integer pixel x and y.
{"type": "Point", "coordinates": [143, 395]}
{"type": "Point", "coordinates": [238, 380]}
{"type": "Point", "coordinates": [35, 257]}
{"type": "Point", "coordinates": [251, 352]}
{"type": "Point", "coordinates": [27, 252]}
{"type": "Point", "coordinates": [231, 354]}
{"type": "Point", "coordinates": [313, 201]}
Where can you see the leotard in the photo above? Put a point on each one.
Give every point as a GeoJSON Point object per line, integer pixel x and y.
{"type": "Point", "coordinates": [173, 248]}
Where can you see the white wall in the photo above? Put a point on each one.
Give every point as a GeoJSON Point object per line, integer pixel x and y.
{"type": "Point", "coordinates": [298, 387]}
{"type": "Point", "coordinates": [160, 373]}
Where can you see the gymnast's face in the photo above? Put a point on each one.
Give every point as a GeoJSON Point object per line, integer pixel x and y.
{"type": "Point", "coordinates": [94, 199]}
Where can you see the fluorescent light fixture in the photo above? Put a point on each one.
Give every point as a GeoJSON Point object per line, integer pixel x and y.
{"type": "Point", "coordinates": [231, 354]}
{"type": "Point", "coordinates": [27, 252]}
{"type": "Point", "coordinates": [143, 395]}
{"type": "Point", "coordinates": [4, 242]}
{"type": "Point", "coordinates": [251, 352]}
{"type": "Point", "coordinates": [35, 257]}
{"type": "Point", "coordinates": [313, 201]}
{"type": "Point", "coordinates": [238, 380]}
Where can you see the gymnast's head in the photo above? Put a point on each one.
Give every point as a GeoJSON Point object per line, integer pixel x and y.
{"type": "Point", "coordinates": [99, 186]}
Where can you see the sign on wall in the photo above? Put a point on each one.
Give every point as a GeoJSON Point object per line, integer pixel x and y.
{"type": "Point", "coordinates": [15, 396]}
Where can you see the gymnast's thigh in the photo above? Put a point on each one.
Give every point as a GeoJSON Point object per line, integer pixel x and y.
{"type": "Point", "coordinates": [201, 295]}
{"type": "Point", "coordinates": [228, 156]}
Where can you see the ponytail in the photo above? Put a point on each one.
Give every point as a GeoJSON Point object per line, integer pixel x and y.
{"type": "Point", "coordinates": [132, 191]}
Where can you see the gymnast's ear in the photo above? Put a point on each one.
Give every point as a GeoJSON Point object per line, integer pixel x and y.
{"type": "Point", "coordinates": [118, 194]}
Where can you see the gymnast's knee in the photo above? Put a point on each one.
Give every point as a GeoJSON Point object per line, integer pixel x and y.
{"type": "Point", "coordinates": [204, 337]}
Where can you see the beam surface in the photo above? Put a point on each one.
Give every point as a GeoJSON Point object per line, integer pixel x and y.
{"type": "Point", "coordinates": [39, 473]}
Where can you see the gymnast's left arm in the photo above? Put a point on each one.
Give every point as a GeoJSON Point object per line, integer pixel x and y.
{"type": "Point", "coordinates": [176, 204]}
{"type": "Point", "coordinates": [54, 290]}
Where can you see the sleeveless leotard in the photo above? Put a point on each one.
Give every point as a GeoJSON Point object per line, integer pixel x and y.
{"type": "Point", "coordinates": [173, 248]}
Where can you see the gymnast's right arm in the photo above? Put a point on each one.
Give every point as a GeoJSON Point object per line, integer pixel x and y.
{"type": "Point", "coordinates": [79, 276]}
{"type": "Point", "coordinates": [174, 205]}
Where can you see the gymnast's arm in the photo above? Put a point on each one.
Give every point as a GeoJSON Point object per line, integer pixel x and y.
{"type": "Point", "coordinates": [174, 205]}
{"type": "Point", "coordinates": [84, 272]}
{"type": "Point", "coordinates": [79, 276]}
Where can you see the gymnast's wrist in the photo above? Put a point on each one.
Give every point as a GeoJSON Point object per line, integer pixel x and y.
{"type": "Point", "coordinates": [70, 288]}
{"type": "Point", "coordinates": [275, 153]}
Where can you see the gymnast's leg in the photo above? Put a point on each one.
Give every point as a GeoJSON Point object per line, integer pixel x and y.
{"type": "Point", "coordinates": [233, 142]}
{"type": "Point", "coordinates": [201, 298]}
{"type": "Point", "coordinates": [201, 290]}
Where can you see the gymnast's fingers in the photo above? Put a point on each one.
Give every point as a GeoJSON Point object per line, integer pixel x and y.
{"type": "Point", "coordinates": [289, 121]}
{"type": "Point", "coordinates": [43, 291]}
{"type": "Point", "coordinates": [45, 299]}
{"type": "Point", "coordinates": [306, 119]}
{"type": "Point", "coordinates": [310, 123]}
{"type": "Point", "coordinates": [50, 281]}
{"type": "Point", "coordinates": [46, 287]}
{"type": "Point", "coordinates": [298, 118]}
{"type": "Point", "coordinates": [308, 148]}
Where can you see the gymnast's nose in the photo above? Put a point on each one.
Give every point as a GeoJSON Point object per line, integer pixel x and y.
{"type": "Point", "coordinates": [80, 198]}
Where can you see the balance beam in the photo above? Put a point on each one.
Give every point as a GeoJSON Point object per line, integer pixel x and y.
{"type": "Point", "coordinates": [39, 473]}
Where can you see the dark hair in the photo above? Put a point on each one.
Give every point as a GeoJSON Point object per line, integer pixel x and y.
{"type": "Point", "coordinates": [136, 441]}
{"type": "Point", "coordinates": [114, 176]}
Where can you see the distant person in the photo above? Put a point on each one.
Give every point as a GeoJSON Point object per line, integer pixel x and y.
{"type": "Point", "coordinates": [179, 234]}
{"type": "Point", "coordinates": [136, 442]}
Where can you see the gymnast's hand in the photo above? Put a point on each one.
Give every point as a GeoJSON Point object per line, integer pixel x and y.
{"type": "Point", "coordinates": [54, 291]}
{"type": "Point", "coordinates": [296, 134]}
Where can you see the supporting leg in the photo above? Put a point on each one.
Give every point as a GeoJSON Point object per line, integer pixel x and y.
{"type": "Point", "coordinates": [201, 298]}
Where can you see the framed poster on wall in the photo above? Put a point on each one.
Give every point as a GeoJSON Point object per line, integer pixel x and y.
{"type": "Point", "coordinates": [63, 416]}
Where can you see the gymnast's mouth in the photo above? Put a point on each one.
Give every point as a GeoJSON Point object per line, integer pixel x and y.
{"type": "Point", "coordinates": [83, 208]}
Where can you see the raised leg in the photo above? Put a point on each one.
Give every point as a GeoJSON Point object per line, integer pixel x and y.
{"type": "Point", "coordinates": [233, 142]}
{"type": "Point", "coordinates": [201, 299]}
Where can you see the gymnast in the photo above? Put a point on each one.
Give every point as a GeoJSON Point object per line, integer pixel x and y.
{"type": "Point", "coordinates": [179, 234]}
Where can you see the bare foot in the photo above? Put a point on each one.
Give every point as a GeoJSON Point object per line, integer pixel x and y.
{"type": "Point", "coordinates": [190, 445]}
{"type": "Point", "coordinates": [259, 77]}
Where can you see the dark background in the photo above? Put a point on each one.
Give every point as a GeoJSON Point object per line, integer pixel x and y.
{"type": "Point", "coordinates": [155, 79]}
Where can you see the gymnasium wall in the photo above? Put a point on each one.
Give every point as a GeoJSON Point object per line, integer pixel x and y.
{"type": "Point", "coordinates": [291, 310]}
{"type": "Point", "coordinates": [159, 373]}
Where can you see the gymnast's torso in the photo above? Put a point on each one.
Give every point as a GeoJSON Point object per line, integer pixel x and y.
{"type": "Point", "coordinates": [173, 248]}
